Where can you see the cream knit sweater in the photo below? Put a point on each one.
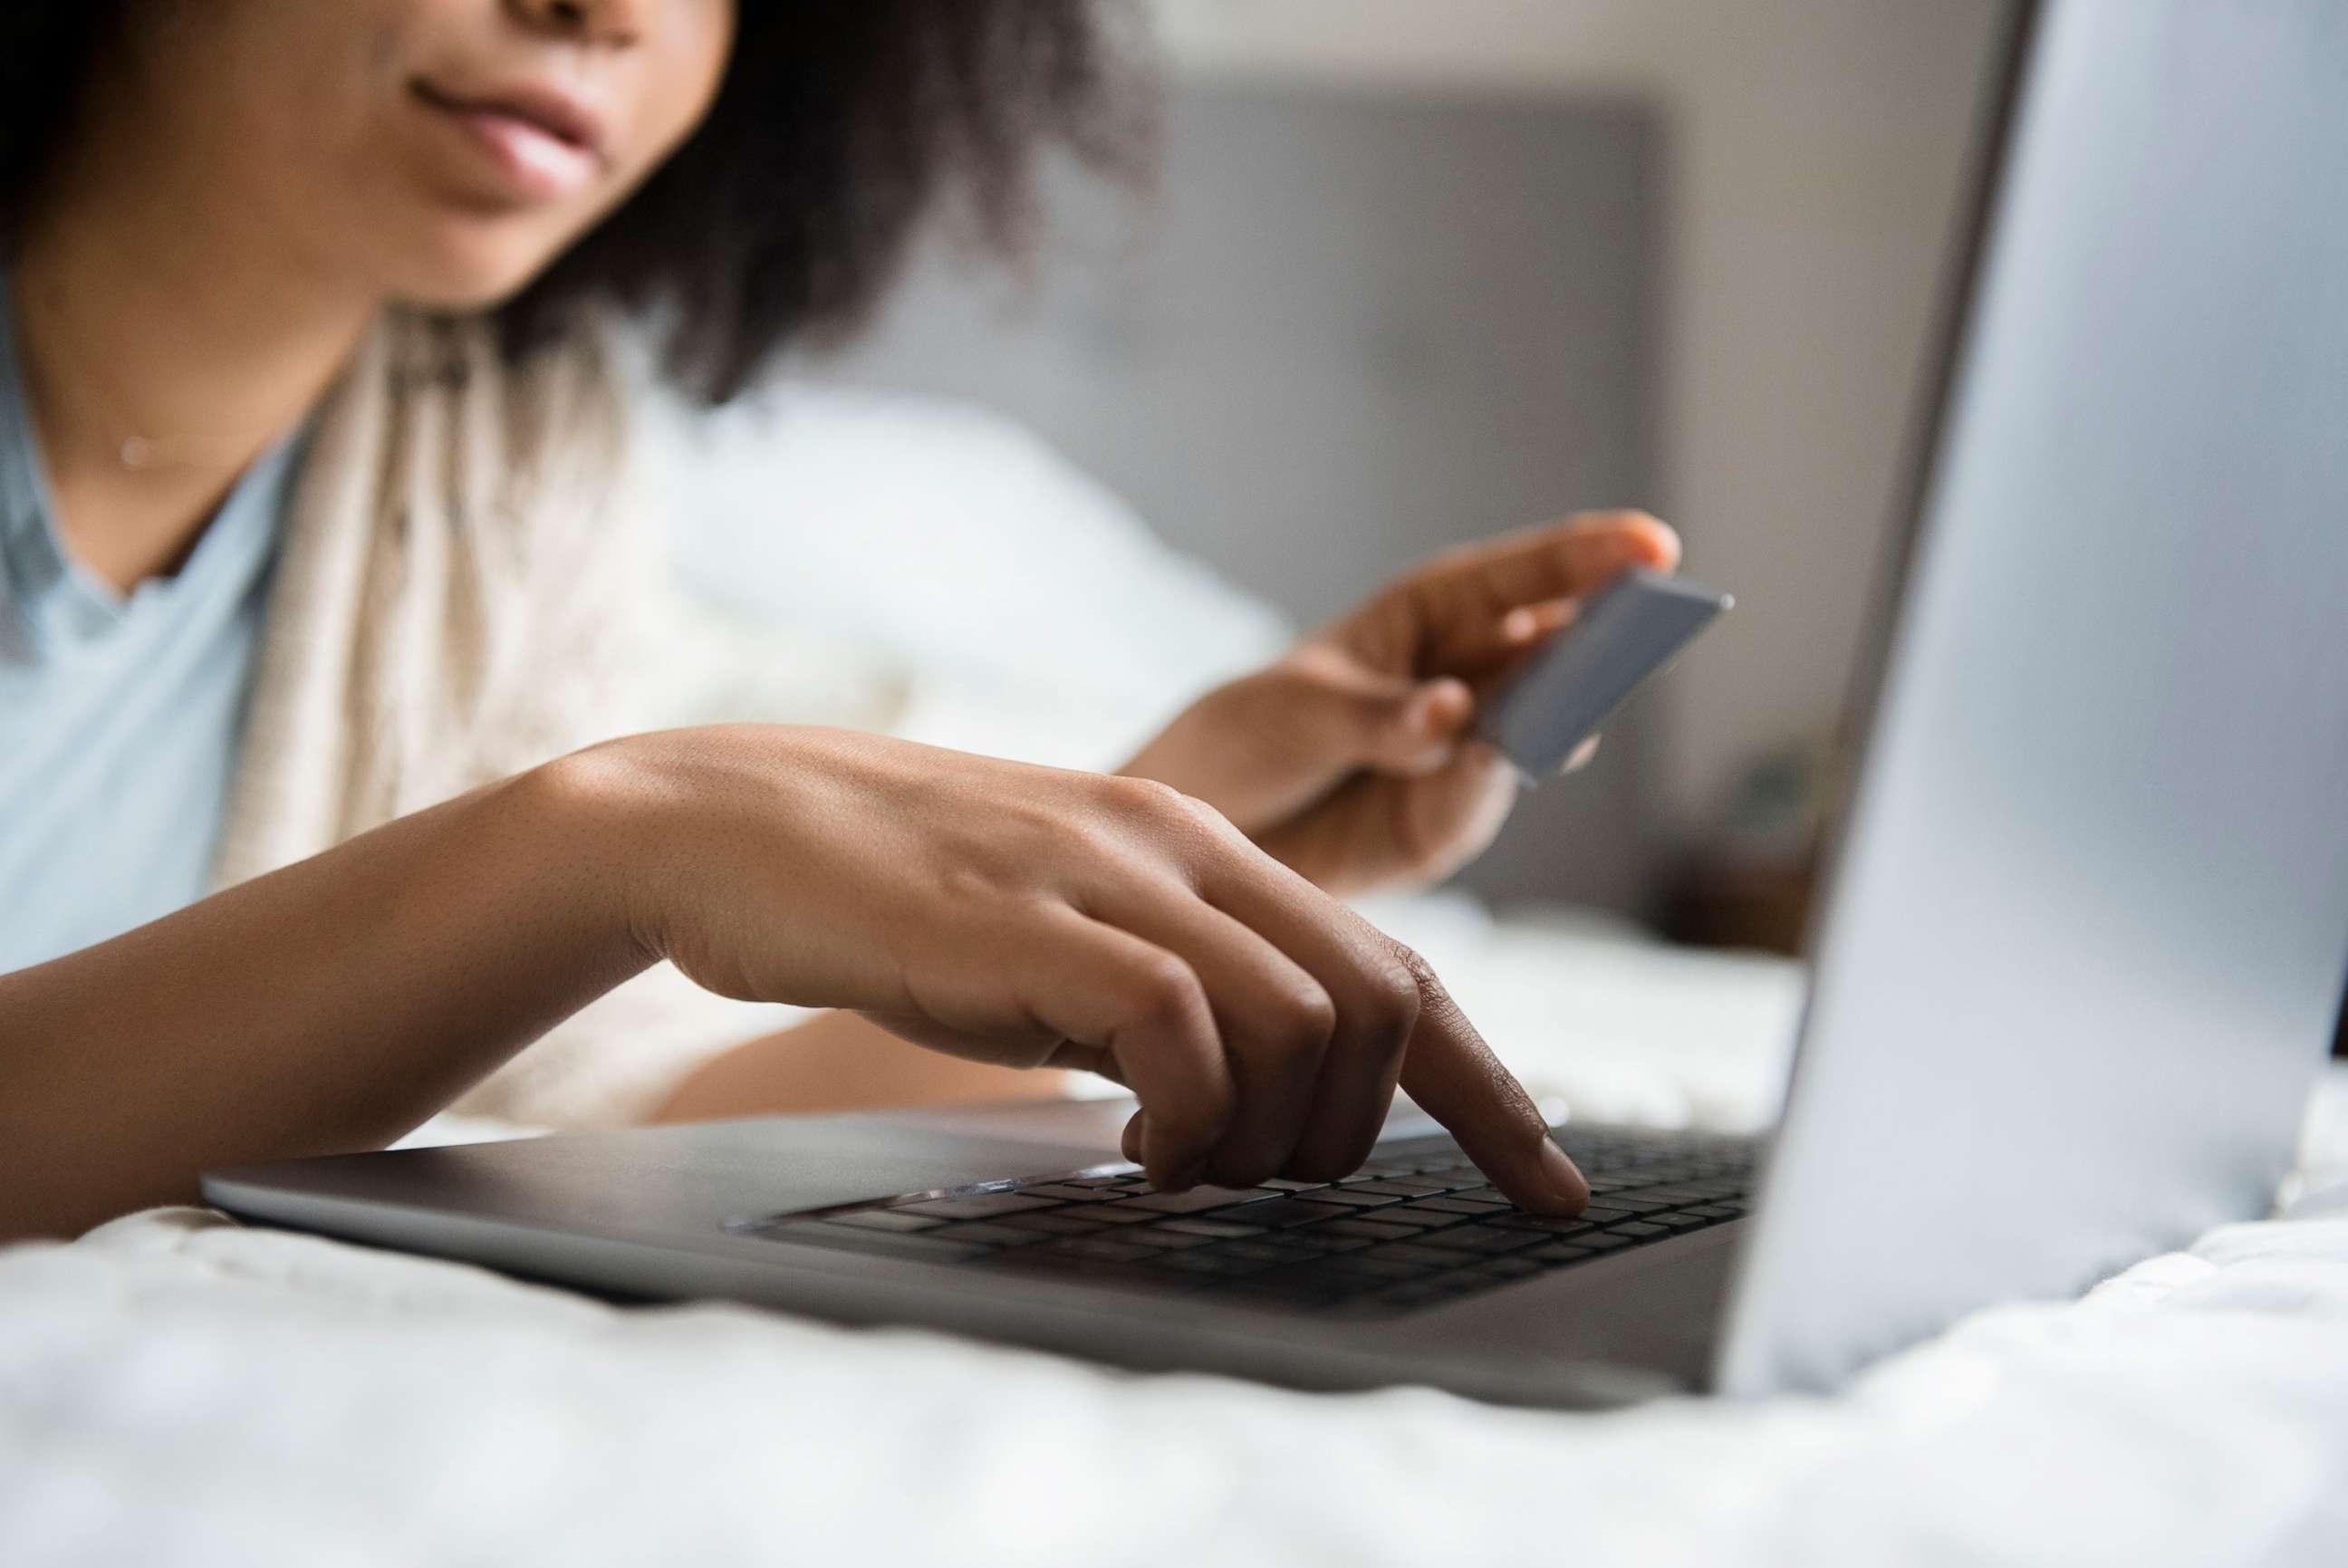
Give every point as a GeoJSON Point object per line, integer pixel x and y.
{"type": "Point", "coordinates": [457, 598]}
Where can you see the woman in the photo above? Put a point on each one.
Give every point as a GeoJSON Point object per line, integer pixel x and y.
{"type": "Point", "coordinates": [317, 558]}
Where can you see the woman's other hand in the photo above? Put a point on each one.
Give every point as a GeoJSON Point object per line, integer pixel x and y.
{"type": "Point", "coordinates": [1350, 761]}
{"type": "Point", "coordinates": [1034, 917]}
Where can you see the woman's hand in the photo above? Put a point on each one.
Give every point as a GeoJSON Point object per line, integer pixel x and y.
{"type": "Point", "coordinates": [1034, 917]}
{"type": "Point", "coordinates": [1350, 761]}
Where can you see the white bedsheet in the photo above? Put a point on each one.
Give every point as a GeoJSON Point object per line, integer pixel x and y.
{"type": "Point", "coordinates": [178, 1390]}
{"type": "Point", "coordinates": [175, 1390]}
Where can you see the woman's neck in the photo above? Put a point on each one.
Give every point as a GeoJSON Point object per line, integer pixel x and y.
{"type": "Point", "coordinates": [165, 344]}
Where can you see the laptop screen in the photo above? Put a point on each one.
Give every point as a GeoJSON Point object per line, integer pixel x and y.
{"type": "Point", "coordinates": [2085, 944]}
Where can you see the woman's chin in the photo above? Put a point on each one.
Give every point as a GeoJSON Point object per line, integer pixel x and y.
{"type": "Point", "coordinates": [469, 273]}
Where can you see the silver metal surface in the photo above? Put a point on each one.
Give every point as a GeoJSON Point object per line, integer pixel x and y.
{"type": "Point", "coordinates": [645, 1213]}
{"type": "Point", "coordinates": [2086, 939]}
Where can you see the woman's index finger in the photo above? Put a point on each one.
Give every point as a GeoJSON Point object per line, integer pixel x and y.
{"type": "Point", "coordinates": [1456, 1078]}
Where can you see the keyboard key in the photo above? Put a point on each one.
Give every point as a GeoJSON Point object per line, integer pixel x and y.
{"type": "Point", "coordinates": [1199, 1198]}
{"type": "Point", "coordinates": [1417, 1224]}
{"type": "Point", "coordinates": [1486, 1193]}
{"type": "Point", "coordinates": [1156, 1238]}
{"type": "Point", "coordinates": [1224, 1230]}
{"type": "Point", "coordinates": [1550, 1224]}
{"type": "Point", "coordinates": [1320, 1239]}
{"type": "Point", "coordinates": [1411, 1216]}
{"type": "Point", "coordinates": [975, 1206]}
{"type": "Point", "coordinates": [1270, 1249]}
{"type": "Point", "coordinates": [1284, 1211]}
{"type": "Point", "coordinates": [1059, 1223]}
{"type": "Point", "coordinates": [1357, 1197]}
{"type": "Point", "coordinates": [1479, 1239]}
{"type": "Point", "coordinates": [884, 1220]}
{"type": "Point", "coordinates": [1409, 1252]}
{"type": "Point", "coordinates": [1558, 1252]}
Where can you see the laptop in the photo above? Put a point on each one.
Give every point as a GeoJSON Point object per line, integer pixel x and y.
{"type": "Point", "coordinates": [2078, 963]}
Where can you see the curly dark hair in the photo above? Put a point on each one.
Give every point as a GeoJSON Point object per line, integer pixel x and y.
{"type": "Point", "coordinates": [788, 212]}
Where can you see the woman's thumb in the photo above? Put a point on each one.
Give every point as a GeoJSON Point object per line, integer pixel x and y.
{"type": "Point", "coordinates": [1408, 726]}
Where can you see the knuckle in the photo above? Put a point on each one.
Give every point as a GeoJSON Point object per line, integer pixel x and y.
{"type": "Point", "coordinates": [1399, 989]}
{"type": "Point", "coordinates": [1162, 988]}
{"type": "Point", "coordinates": [1166, 816]}
{"type": "Point", "coordinates": [1413, 964]}
{"type": "Point", "coordinates": [1147, 799]}
{"type": "Point", "coordinates": [1303, 1019]}
{"type": "Point", "coordinates": [1084, 832]}
{"type": "Point", "coordinates": [1204, 814]}
{"type": "Point", "coordinates": [1425, 983]}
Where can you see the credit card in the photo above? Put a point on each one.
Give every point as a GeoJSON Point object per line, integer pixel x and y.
{"type": "Point", "coordinates": [1622, 635]}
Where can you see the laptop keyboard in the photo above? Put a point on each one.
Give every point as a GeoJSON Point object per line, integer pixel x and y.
{"type": "Point", "coordinates": [1416, 1226]}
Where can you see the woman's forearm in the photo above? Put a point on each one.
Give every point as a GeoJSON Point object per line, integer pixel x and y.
{"type": "Point", "coordinates": [328, 1007]}
{"type": "Point", "coordinates": [1023, 916]}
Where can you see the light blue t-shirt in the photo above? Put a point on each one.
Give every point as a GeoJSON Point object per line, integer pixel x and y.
{"type": "Point", "coordinates": [119, 716]}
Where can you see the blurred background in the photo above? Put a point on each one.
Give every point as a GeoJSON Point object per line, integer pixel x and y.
{"type": "Point", "coordinates": [1404, 274]}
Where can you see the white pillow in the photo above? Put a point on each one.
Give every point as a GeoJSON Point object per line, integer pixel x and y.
{"type": "Point", "coordinates": [939, 567]}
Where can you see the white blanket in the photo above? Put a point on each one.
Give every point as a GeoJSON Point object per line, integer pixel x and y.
{"type": "Point", "coordinates": [178, 1390]}
{"type": "Point", "coordinates": [173, 1390]}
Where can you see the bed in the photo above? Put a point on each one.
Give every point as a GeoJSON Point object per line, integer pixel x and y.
{"type": "Point", "coordinates": [176, 1389]}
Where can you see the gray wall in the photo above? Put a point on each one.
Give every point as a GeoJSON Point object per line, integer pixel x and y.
{"type": "Point", "coordinates": [1345, 329]}
{"type": "Point", "coordinates": [1814, 150]}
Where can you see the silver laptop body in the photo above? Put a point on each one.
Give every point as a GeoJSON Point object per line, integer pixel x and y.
{"type": "Point", "coordinates": [2088, 920]}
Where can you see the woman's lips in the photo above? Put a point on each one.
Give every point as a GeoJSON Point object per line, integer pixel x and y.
{"type": "Point", "coordinates": [542, 145]}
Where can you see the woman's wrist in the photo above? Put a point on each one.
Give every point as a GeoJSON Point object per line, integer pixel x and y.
{"type": "Point", "coordinates": [664, 837]}
{"type": "Point", "coordinates": [598, 819]}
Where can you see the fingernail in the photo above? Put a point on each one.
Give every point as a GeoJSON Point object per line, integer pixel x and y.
{"type": "Point", "coordinates": [1442, 698]}
{"type": "Point", "coordinates": [1565, 1178]}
